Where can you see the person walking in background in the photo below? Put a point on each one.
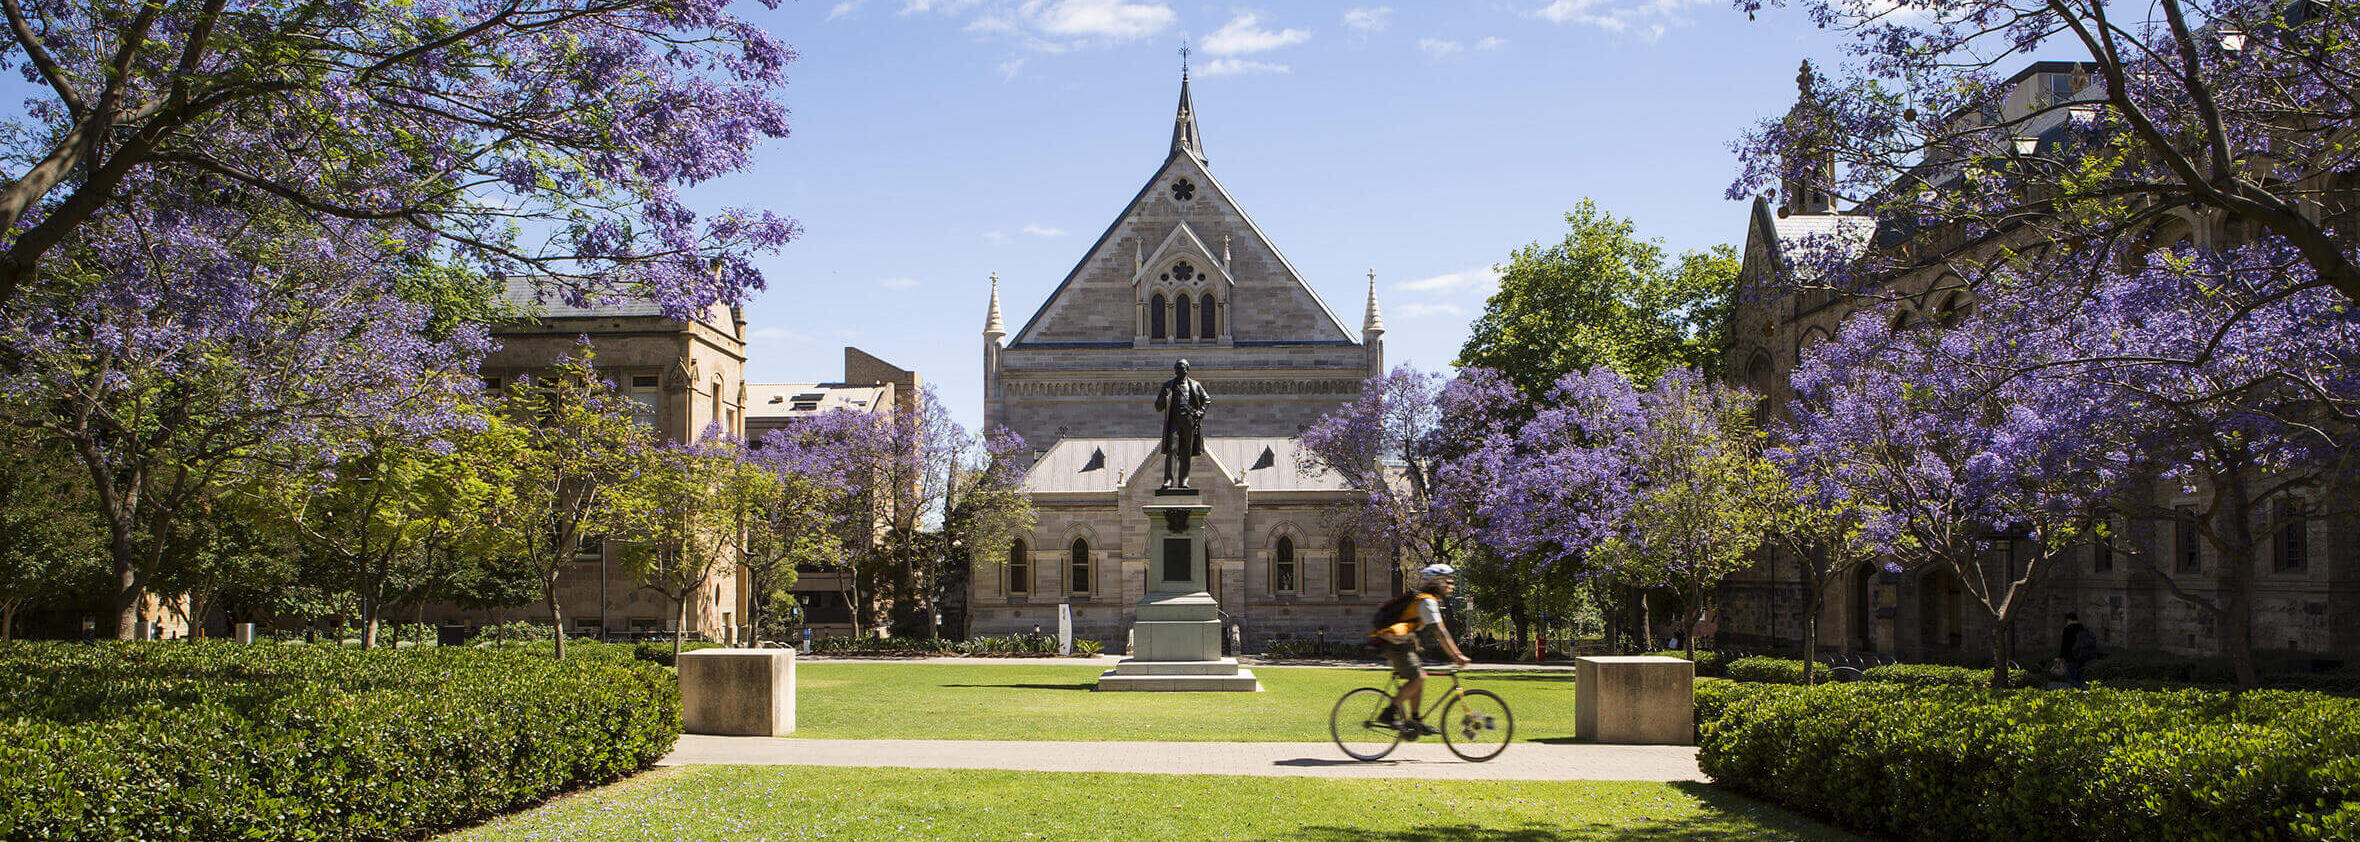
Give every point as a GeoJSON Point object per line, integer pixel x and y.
{"type": "Point", "coordinates": [2076, 647]}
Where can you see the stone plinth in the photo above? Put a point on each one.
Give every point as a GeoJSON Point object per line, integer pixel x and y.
{"type": "Point", "coordinates": [738, 692]}
{"type": "Point", "coordinates": [1635, 699]}
{"type": "Point", "coordinates": [1176, 638]}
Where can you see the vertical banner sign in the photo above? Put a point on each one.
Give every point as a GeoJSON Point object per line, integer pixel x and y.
{"type": "Point", "coordinates": [1064, 628]}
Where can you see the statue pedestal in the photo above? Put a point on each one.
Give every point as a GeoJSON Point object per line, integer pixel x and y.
{"type": "Point", "coordinates": [1176, 640]}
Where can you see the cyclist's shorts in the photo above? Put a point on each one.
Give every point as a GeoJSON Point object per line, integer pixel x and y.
{"type": "Point", "coordinates": [1403, 656]}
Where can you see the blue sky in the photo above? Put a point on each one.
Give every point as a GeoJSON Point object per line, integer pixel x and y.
{"type": "Point", "coordinates": [936, 143]}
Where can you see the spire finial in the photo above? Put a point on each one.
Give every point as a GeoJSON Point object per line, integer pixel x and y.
{"type": "Point", "coordinates": [1183, 59]}
{"type": "Point", "coordinates": [993, 327]}
{"type": "Point", "coordinates": [1375, 321]}
{"type": "Point", "coordinates": [1184, 137]}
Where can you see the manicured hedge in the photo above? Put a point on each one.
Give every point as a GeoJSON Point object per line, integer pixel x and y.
{"type": "Point", "coordinates": [1009, 646]}
{"type": "Point", "coordinates": [1939, 762]}
{"type": "Point", "coordinates": [1765, 670]}
{"type": "Point", "coordinates": [210, 740]}
{"type": "Point", "coordinates": [1709, 664]}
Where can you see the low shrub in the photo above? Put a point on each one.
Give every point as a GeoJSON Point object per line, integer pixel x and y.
{"type": "Point", "coordinates": [1948, 762]}
{"type": "Point", "coordinates": [211, 740]}
{"type": "Point", "coordinates": [1937, 675]}
{"type": "Point", "coordinates": [1767, 670]}
{"type": "Point", "coordinates": [1009, 646]}
{"type": "Point", "coordinates": [1319, 649]}
{"type": "Point", "coordinates": [1709, 664]}
{"type": "Point", "coordinates": [661, 653]}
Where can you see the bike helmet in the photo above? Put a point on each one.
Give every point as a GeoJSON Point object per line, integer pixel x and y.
{"type": "Point", "coordinates": [1436, 571]}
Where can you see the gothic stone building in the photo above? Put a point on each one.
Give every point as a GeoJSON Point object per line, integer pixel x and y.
{"type": "Point", "coordinates": [2307, 582]}
{"type": "Point", "coordinates": [1182, 273]}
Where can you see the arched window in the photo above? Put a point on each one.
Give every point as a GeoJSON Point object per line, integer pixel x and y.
{"type": "Point", "coordinates": [1081, 566]}
{"type": "Point", "coordinates": [1282, 566]}
{"type": "Point", "coordinates": [1019, 569]}
{"type": "Point", "coordinates": [716, 417]}
{"type": "Point", "coordinates": [1347, 566]}
{"type": "Point", "coordinates": [1181, 321]}
{"type": "Point", "coordinates": [1953, 311]}
{"type": "Point", "coordinates": [1155, 317]}
{"type": "Point", "coordinates": [1204, 317]}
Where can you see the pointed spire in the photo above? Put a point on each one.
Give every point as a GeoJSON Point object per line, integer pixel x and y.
{"type": "Point", "coordinates": [1184, 137]}
{"type": "Point", "coordinates": [993, 328]}
{"type": "Point", "coordinates": [1375, 321]}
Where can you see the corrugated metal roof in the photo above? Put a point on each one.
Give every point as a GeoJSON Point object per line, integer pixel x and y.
{"type": "Point", "coordinates": [1098, 464]}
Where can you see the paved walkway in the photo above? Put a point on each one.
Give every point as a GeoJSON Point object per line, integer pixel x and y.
{"type": "Point", "coordinates": [1108, 662]}
{"type": "Point", "coordinates": [1423, 759]}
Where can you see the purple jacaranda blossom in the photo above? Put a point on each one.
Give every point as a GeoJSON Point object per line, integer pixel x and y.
{"type": "Point", "coordinates": [546, 139]}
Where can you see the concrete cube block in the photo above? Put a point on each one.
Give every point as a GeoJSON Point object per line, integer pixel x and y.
{"type": "Point", "coordinates": [1635, 699]}
{"type": "Point", "coordinates": [738, 692]}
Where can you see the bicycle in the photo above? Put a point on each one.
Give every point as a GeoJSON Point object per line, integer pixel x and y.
{"type": "Point", "coordinates": [1475, 724]}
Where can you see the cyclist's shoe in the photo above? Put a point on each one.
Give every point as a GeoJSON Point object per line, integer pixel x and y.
{"type": "Point", "coordinates": [1423, 729]}
{"type": "Point", "coordinates": [1409, 731]}
{"type": "Point", "coordinates": [1389, 717]}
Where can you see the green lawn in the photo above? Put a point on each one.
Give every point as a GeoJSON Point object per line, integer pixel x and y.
{"type": "Point", "coordinates": [781, 802]}
{"type": "Point", "coordinates": [1055, 702]}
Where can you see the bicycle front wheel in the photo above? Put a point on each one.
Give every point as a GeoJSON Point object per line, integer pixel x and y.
{"type": "Point", "coordinates": [1477, 725]}
{"type": "Point", "coordinates": [1355, 724]}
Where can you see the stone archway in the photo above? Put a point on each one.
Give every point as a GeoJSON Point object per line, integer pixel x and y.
{"type": "Point", "coordinates": [1942, 612]}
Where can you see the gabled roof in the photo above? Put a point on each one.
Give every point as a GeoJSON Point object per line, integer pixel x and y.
{"type": "Point", "coordinates": [1782, 237]}
{"type": "Point", "coordinates": [1189, 156]}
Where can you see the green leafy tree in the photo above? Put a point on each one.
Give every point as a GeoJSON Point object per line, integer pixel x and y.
{"type": "Point", "coordinates": [384, 517]}
{"type": "Point", "coordinates": [50, 545]}
{"type": "Point", "coordinates": [582, 445]}
{"type": "Point", "coordinates": [1603, 297]}
{"type": "Point", "coordinates": [686, 512]}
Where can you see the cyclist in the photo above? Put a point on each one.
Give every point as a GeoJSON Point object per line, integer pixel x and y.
{"type": "Point", "coordinates": [1418, 611]}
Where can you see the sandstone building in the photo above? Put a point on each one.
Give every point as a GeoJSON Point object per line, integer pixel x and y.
{"type": "Point", "coordinates": [2307, 582]}
{"type": "Point", "coordinates": [1181, 273]}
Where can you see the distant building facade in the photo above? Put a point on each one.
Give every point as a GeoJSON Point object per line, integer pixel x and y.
{"type": "Point", "coordinates": [870, 385]}
{"type": "Point", "coordinates": [687, 375]}
{"type": "Point", "coordinates": [1182, 273]}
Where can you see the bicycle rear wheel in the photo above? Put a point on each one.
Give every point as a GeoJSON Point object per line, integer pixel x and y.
{"type": "Point", "coordinates": [1477, 726]}
{"type": "Point", "coordinates": [1356, 728]}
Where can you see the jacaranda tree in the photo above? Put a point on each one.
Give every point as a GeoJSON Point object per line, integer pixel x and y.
{"type": "Point", "coordinates": [540, 138]}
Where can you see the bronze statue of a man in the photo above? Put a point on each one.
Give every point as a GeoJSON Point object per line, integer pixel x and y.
{"type": "Point", "coordinates": [1182, 402]}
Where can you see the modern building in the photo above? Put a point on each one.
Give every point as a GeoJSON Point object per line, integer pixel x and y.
{"type": "Point", "coordinates": [1181, 273]}
{"type": "Point", "coordinates": [2307, 583]}
{"type": "Point", "coordinates": [870, 385]}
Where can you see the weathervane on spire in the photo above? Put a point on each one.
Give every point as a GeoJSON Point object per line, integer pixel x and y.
{"type": "Point", "coordinates": [1183, 59]}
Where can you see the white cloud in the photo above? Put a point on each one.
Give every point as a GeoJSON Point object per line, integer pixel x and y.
{"type": "Point", "coordinates": [845, 8]}
{"type": "Point", "coordinates": [920, 7]}
{"type": "Point", "coordinates": [1241, 36]}
{"type": "Point", "coordinates": [1009, 69]}
{"type": "Point", "coordinates": [1239, 66]}
{"type": "Point", "coordinates": [1648, 19]}
{"type": "Point", "coordinates": [898, 283]}
{"type": "Point", "coordinates": [1364, 19]}
{"type": "Point", "coordinates": [1107, 19]}
{"type": "Point", "coordinates": [1438, 48]}
{"type": "Point", "coordinates": [1036, 230]}
{"type": "Point", "coordinates": [1491, 43]}
{"type": "Point", "coordinates": [1417, 309]}
{"type": "Point", "coordinates": [1482, 279]}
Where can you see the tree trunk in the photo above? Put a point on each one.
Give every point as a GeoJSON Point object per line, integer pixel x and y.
{"type": "Point", "coordinates": [556, 616]}
{"type": "Point", "coordinates": [370, 608]}
{"type": "Point", "coordinates": [129, 592]}
{"type": "Point", "coordinates": [8, 619]}
{"type": "Point", "coordinates": [1521, 622]}
{"type": "Point", "coordinates": [2002, 646]}
{"type": "Point", "coordinates": [679, 622]}
{"type": "Point", "coordinates": [1815, 593]}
